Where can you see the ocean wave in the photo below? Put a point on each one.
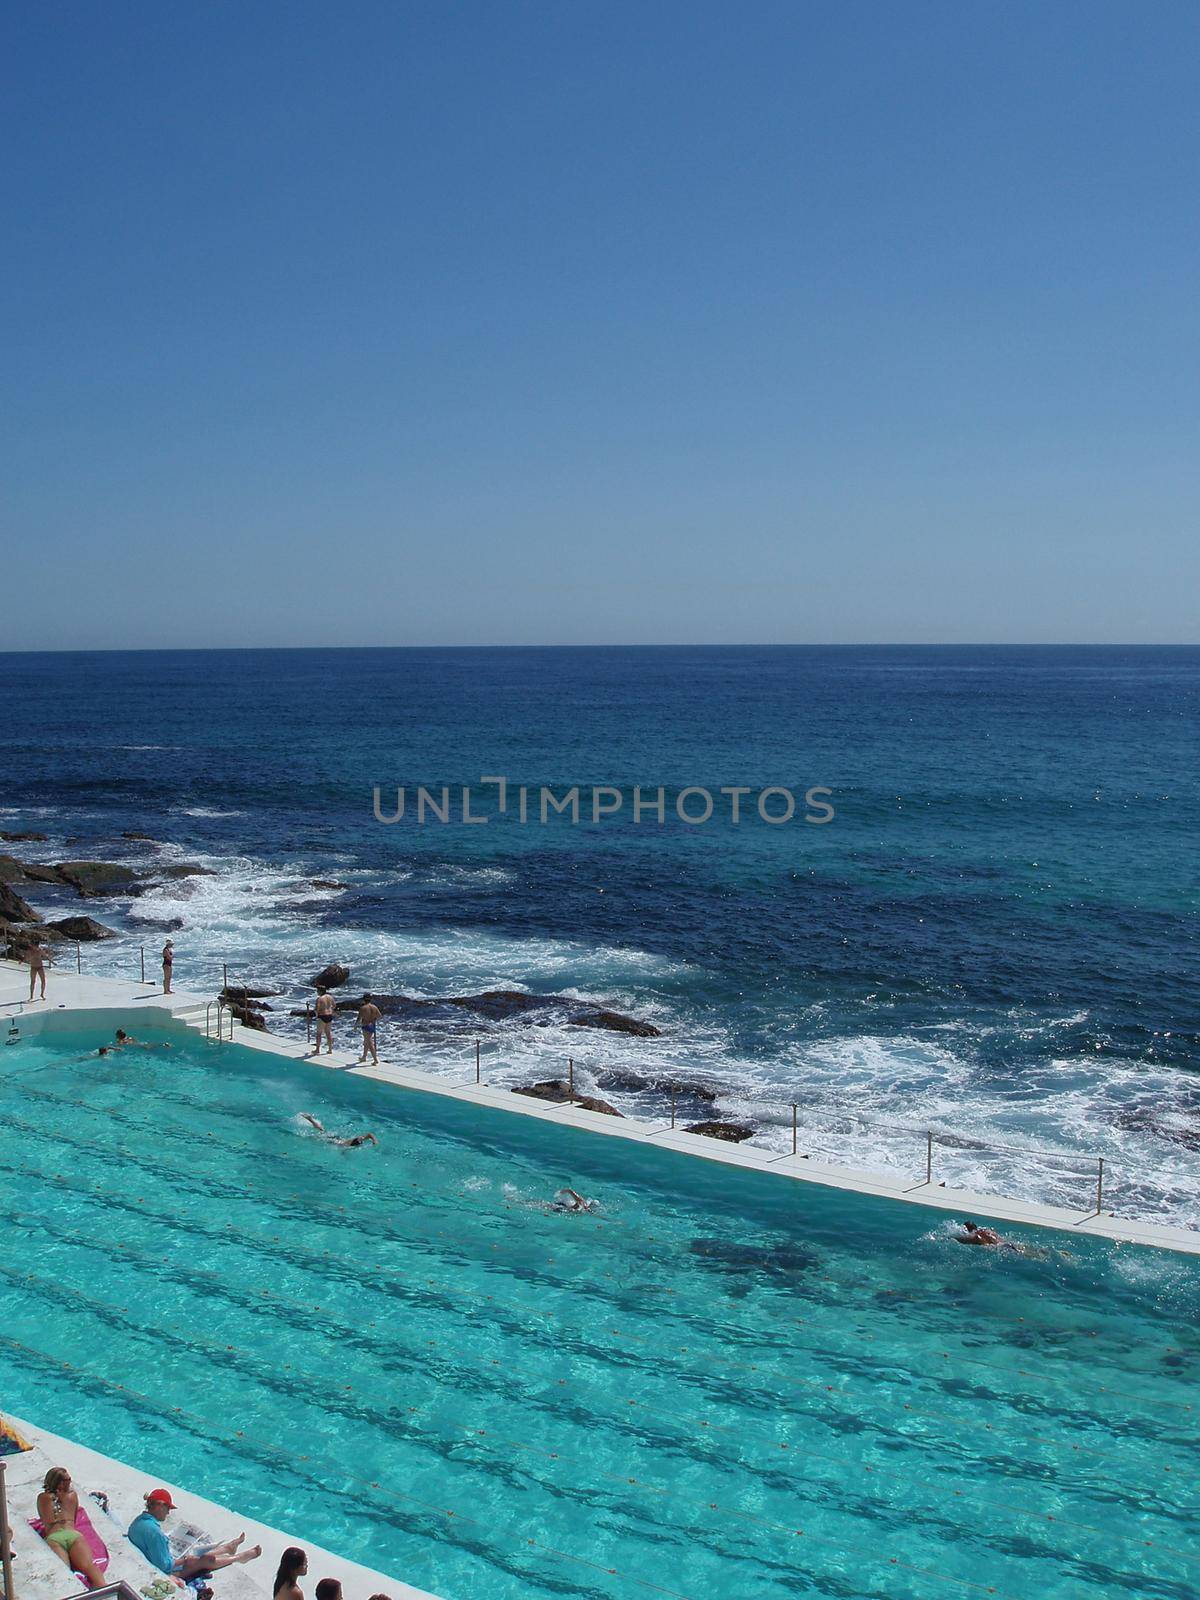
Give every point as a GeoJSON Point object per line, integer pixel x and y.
{"type": "Point", "coordinates": [205, 811]}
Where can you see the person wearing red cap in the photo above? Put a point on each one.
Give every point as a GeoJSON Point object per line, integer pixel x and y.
{"type": "Point", "coordinates": [145, 1533]}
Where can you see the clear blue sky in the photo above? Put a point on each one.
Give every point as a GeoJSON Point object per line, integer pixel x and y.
{"type": "Point", "coordinates": [508, 322]}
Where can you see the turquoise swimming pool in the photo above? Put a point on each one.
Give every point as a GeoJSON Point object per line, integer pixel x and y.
{"type": "Point", "coordinates": [722, 1385]}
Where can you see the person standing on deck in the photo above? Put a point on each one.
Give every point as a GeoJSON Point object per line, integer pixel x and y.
{"type": "Point", "coordinates": [168, 959]}
{"type": "Point", "coordinates": [368, 1021]}
{"type": "Point", "coordinates": [37, 955]}
{"type": "Point", "coordinates": [325, 1010]}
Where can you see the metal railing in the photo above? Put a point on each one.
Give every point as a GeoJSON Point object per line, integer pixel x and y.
{"type": "Point", "coordinates": [217, 1030]}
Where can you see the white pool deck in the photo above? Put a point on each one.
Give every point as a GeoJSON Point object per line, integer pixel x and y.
{"type": "Point", "coordinates": [40, 1575]}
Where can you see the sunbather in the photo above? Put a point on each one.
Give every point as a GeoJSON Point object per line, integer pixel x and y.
{"type": "Point", "coordinates": [58, 1506]}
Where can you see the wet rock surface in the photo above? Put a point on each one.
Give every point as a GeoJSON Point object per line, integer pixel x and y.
{"type": "Point", "coordinates": [13, 908]}
{"type": "Point", "coordinates": [330, 977]}
{"type": "Point", "coordinates": [731, 1132]}
{"type": "Point", "coordinates": [558, 1090]}
{"type": "Point", "coordinates": [81, 930]}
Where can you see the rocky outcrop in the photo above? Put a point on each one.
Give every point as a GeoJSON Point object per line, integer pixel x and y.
{"type": "Point", "coordinates": [731, 1132]}
{"type": "Point", "coordinates": [24, 838]}
{"type": "Point", "coordinates": [184, 869]}
{"type": "Point", "coordinates": [325, 883]}
{"type": "Point", "coordinates": [240, 992]}
{"type": "Point", "coordinates": [616, 1022]}
{"type": "Point", "coordinates": [247, 1015]}
{"type": "Point", "coordinates": [629, 1081]}
{"type": "Point", "coordinates": [13, 908]}
{"type": "Point", "coordinates": [140, 838]}
{"type": "Point", "coordinates": [163, 924]}
{"type": "Point", "coordinates": [330, 977]}
{"type": "Point", "coordinates": [501, 1005]}
{"type": "Point", "coordinates": [559, 1091]}
{"type": "Point", "coordinates": [81, 930]}
{"type": "Point", "coordinates": [94, 878]}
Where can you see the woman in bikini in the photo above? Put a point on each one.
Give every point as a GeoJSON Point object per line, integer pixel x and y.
{"type": "Point", "coordinates": [58, 1506]}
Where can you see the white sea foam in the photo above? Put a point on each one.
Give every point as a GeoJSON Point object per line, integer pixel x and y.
{"type": "Point", "coordinates": [205, 811]}
{"type": "Point", "coordinates": [863, 1100]}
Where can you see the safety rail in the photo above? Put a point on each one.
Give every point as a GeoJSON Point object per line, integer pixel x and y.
{"type": "Point", "coordinates": [927, 1138]}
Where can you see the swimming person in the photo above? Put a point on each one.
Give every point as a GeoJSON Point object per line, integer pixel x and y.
{"type": "Point", "coordinates": [293, 1564]}
{"type": "Point", "coordinates": [325, 1010]}
{"type": "Point", "coordinates": [368, 1021]}
{"type": "Point", "coordinates": [121, 1039]}
{"type": "Point", "coordinates": [974, 1234]}
{"type": "Point", "coordinates": [351, 1142]}
{"type": "Point", "coordinates": [571, 1200]}
{"type": "Point", "coordinates": [168, 959]}
{"type": "Point", "coordinates": [58, 1506]}
{"type": "Point", "coordinates": [146, 1534]}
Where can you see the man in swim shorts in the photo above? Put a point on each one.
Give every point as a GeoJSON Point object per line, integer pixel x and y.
{"type": "Point", "coordinates": [36, 955]}
{"type": "Point", "coordinates": [325, 1010]}
{"type": "Point", "coordinates": [368, 1021]}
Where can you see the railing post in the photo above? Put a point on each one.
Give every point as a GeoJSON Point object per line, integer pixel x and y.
{"type": "Point", "coordinates": [208, 1019]}
{"type": "Point", "coordinates": [225, 976]}
{"type": "Point", "coordinates": [78, 959]}
{"type": "Point", "coordinates": [307, 1023]}
{"type": "Point", "coordinates": [477, 1069]}
{"type": "Point", "coordinates": [143, 963]}
{"type": "Point", "coordinates": [10, 1592]}
{"type": "Point", "coordinates": [793, 1127]}
{"type": "Point", "coordinates": [672, 1105]}
{"type": "Point", "coordinates": [929, 1157]}
{"type": "Point", "coordinates": [571, 1079]}
{"type": "Point", "coordinates": [1099, 1185]}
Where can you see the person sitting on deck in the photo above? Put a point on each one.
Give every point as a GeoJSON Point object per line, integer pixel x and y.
{"type": "Point", "coordinates": [145, 1532]}
{"type": "Point", "coordinates": [58, 1507]}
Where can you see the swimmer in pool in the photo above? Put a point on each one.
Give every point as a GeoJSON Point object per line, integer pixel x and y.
{"type": "Point", "coordinates": [973, 1234]}
{"type": "Point", "coordinates": [572, 1201]}
{"type": "Point", "coordinates": [350, 1143]}
{"type": "Point", "coordinates": [122, 1039]}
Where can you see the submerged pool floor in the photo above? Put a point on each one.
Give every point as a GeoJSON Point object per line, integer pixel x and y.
{"type": "Point", "coordinates": [721, 1385]}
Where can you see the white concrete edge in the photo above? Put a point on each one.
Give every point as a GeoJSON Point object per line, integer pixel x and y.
{"type": "Point", "coordinates": [95, 1470]}
{"type": "Point", "coordinates": [111, 995]}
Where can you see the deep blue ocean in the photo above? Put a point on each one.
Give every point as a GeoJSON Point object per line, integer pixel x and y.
{"type": "Point", "coordinates": [995, 937]}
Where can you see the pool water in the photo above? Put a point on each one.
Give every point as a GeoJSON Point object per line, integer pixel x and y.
{"type": "Point", "coordinates": [723, 1384]}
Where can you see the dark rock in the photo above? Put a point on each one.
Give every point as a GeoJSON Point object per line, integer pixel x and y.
{"type": "Point", "coordinates": [732, 1132]}
{"type": "Point", "coordinates": [82, 930]}
{"type": "Point", "coordinates": [501, 1004]}
{"type": "Point", "coordinates": [24, 838]}
{"type": "Point", "coordinates": [163, 924]}
{"type": "Point", "coordinates": [330, 977]}
{"type": "Point", "coordinates": [247, 1016]}
{"type": "Point", "coordinates": [325, 883]}
{"type": "Point", "coordinates": [184, 869]}
{"type": "Point", "coordinates": [239, 992]}
{"type": "Point", "coordinates": [559, 1090]}
{"type": "Point", "coordinates": [141, 838]}
{"type": "Point", "coordinates": [35, 872]}
{"type": "Point", "coordinates": [100, 877]}
{"type": "Point", "coordinates": [616, 1022]}
{"type": "Point", "coordinates": [391, 1005]}
{"type": "Point", "coordinates": [13, 908]}
{"type": "Point", "coordinates": [630, 1082]}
